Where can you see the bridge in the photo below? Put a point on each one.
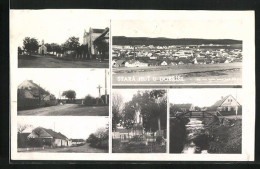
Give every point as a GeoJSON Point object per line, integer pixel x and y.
{"type": "Point", "coordinates": [197, 114]}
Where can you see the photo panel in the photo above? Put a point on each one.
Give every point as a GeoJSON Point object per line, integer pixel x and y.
{"type": "Point", "coordinates": [177, 52]}
{"type": "Point", "coordinates": [44, 136]}
{"type": "Point", "coordinates": [63, 92]}
{"type": "Point", "coordinates": [139, 121]}
{"type": "Point", "coordinates": [206, 121]}
{"type": "Point", "coordinates": [79, 41]}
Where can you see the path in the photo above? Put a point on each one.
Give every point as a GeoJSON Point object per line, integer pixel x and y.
{"type": "Point", "coordinates": [39, 61]}
{"type": "Point", "coordinates": [67, 109]}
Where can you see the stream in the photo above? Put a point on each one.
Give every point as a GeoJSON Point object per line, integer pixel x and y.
{"type": "Point", "coordinates": [196, 140]}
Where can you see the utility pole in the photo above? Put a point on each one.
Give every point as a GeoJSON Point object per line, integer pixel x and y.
{"type": "Point", "coordinates": [105, 86]}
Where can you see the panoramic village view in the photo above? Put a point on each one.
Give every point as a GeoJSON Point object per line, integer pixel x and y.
{"type": "Point", "coordinates": [139, 121]}
{"type": "Point", "coordinates": [142, 58]}
{"type": "Point", "coordinates": [59, 45]}
{"type": "Point", "coordinates": [63, 135]}
{"type": "Point", "coordinates": [205, 121]}
{"type": "Point", "coordinates": [79, 94]}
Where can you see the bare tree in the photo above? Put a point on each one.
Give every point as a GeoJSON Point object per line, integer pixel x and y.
{"type": "Point", "coordinates": [117, 106]}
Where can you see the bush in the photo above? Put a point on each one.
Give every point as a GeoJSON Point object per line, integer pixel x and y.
{"type": "Point", "coordinates": [159, 139]}
{"type": "Point", "coordinates": [89, 100]}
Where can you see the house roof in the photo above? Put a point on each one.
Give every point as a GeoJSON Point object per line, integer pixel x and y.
{"type": "Point", "coordinates": [43, 132]}
{"type": "Point", "coordinates": [218, 103]}
{"type": "Point", "coordinates": [120, 62]}
{"type": "Point", "coordinates": [98, 30]}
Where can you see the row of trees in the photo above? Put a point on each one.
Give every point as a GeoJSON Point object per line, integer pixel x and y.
{"type": "Point", "coordinates": [153, 107]}
{"type": "Point", "coordinates": [31, 45]}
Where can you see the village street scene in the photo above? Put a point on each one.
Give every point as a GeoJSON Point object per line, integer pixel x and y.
{"type": "Point", "coordinates": [84, 43]}
{"type": "Point", "coordinates": [205, 121]}
{"type": "Point", "coordinates": [62, 134]}
{"type": "Point", "coordinates": [63, 92]}
{"type": "Point", "coordinates": [159, 53]}
{"type": "Point", "coordinates": [139, 121]}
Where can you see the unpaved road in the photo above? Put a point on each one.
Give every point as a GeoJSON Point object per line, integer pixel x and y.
{"type": "Point", "coordinates": [67, 110]}
{"type": "Point", "coordinates": [52, 62]}
{"type": "Point", "coordinates": [80, 149]}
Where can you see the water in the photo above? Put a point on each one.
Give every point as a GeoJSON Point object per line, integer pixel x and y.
{"type": "Point", "coordinates": [195, 139]}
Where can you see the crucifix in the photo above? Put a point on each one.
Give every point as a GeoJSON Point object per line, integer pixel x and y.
{"type": "Point", "coordinates": [99, 87]}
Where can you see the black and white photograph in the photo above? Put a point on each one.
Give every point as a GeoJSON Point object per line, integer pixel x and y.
{"type": "Point", "coordinates": [177, 52]}
{"type": "Point", "coordinates": [62, 135]}
{"type": "Point", "coordinates": [64, 92]}
{"type": "Point", "coordinates": [60, 39]}
{"type": "Point", "coordinates": [139, 122]}
{"type": "Point", "coordinates": [206, 121]}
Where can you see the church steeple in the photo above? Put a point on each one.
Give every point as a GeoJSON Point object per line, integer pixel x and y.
{"type": "Point", "coordinates": [42, 42]}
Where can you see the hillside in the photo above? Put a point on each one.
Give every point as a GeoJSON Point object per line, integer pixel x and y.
{"type": "Point", "coordinates": [122, 40]}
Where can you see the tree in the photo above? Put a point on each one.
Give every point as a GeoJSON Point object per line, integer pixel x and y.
{"type": "Point", "coordinates": [117, 105]}
{"type": "Point", "coordinates": [70, 94]}
{"type": "Point", "coordinates": [30, 44]}
{"type": "Point", "coordinates": [128, 115]}
{"type": "Point", "coordinates": [20, 51]}
{"type": "Point", "coordinates": [89, 100]}
{"type": "Point", "coordinates": [72, 43]}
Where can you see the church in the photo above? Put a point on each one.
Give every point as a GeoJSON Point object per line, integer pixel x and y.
{"type": "Point", "coordinates": [42, 49]}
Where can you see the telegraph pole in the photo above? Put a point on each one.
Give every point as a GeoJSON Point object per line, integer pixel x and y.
{"type": "Point", "coordinates": [105, 86]}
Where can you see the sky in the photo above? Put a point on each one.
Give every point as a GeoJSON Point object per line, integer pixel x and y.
{"type": "Point", "coordinates": [82, 81]}
{"type": "Point", "coordinates": [202, 97]}
{"type": "Point", "coordinates": [71, 127]}
{"type": "Point", "coordinates": [54, 26]}
{"type": "Point", "coordinates": [206, 29]}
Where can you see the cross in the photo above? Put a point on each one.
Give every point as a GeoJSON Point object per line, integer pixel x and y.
{"type": "Point", "coordinates": [99, 87]}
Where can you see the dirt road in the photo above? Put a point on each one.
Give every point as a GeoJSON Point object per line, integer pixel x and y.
{"type": "Point", "coordinates": [80, 149]}
{"type": "Point", "coordinates": [38, 61]}
{"type": "Point", "coordinates": [67, 110]}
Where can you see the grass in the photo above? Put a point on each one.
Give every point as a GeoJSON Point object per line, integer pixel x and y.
{"type": "Point", "coordinates": [118, 147]}
{"type": "Point", "coordinates": [229, 73]}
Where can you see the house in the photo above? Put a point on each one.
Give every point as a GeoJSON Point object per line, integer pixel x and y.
{"type": "Point", "coordinates": [30, 95]}
{"type": "Point", "coordinates": [42, 50]}
{"type": "Point", "coordinates": [119, 63]}
{"type": "Point", "coordinates": [77, 142]}
{"type": "Point", "coordinates": [164, 63]}
{"type": "Point", "coordinates": [226, 106]}
{"type": "Point", "coordinates": [135, 63]}
{"type": "Point", "coordinates": [47, 137]}
{"type": "Point", "coordinates": [96, 41]}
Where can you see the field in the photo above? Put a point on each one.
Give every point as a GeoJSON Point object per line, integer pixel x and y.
{"type": "Point", "coordinates": [38, 61]}
{"type": "Point", "coordinates": [67, 110]}
{"type": "Point", "coordinates": [224, 73]}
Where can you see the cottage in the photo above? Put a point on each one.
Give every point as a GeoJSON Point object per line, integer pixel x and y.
{"type": "Point", "coordinates": [163, 63]}
{"type": "Point", "coordinates": [48, 137]}
{"type": "Point", "coordinates": [226, 106]}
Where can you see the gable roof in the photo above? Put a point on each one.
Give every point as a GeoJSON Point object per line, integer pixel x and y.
{"type": "Point", "coordinates": [43, 133]}
{"type": "Point", "coordinates": [219, 103]}
{"type": "Point", "coordinates": [120, 62]}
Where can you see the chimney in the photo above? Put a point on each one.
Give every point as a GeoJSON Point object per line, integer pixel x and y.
{"type": "Point", "coordinates": [222, 97]}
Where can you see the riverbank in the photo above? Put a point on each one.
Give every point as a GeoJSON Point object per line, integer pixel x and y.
{"type": "Point", "coordinates": [225, 135]}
